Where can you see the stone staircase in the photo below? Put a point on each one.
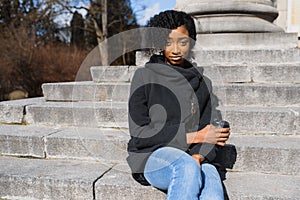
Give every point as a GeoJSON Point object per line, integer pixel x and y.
{"type": "Point", "coordinates": [71, 143]}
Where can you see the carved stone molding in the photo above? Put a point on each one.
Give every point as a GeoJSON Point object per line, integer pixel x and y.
{"type": "Point", "coordinates": [231, 16]}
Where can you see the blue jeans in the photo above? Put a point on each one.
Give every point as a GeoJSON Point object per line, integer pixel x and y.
{"type": "Point", "coordinates": [177, 172]}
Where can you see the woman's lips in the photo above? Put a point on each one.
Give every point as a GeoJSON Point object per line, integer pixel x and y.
{"type": "Point", "coordinates": [176, 58]}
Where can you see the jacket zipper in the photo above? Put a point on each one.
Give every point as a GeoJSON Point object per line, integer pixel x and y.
{"type": "Point", "coordinates": [193, 106]}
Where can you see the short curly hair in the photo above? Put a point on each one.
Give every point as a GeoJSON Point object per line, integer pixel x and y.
{"type": "Point", "coordinates": [167, 21]}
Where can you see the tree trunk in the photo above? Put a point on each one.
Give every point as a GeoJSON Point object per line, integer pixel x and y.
{"type": "Point", "coordinates": [103, 46]}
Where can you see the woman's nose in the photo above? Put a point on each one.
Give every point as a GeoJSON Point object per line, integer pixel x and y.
{"type": "Point", "coordinates": [176, 49]}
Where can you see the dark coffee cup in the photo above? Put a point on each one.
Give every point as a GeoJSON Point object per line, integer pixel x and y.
{"type": "Point", "coordinates": [221, 124]}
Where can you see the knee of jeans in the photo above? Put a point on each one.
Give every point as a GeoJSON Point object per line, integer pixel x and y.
{"type": "Point", "coordinates": [210, 169]}
{"type": "Point", "coordinates": [189, 168]}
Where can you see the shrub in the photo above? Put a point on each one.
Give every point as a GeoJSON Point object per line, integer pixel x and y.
{"type": "Point", "coordinates": [27, 64]}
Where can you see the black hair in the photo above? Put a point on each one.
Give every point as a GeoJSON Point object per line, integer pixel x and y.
{"type": "Point", "coordinates": [167, 21]}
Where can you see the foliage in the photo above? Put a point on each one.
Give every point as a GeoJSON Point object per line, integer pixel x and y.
{"type": "Point", "coordinates": [32, 52]}
{"type": "Point", "coordinates": [77, 30]}
{"type": "Point", "coordinates": [120, 18]}
{"type": "Point", "coordinates": [26, 66]}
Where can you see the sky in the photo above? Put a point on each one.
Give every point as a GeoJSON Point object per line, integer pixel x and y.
{"type": "Point", "coordinates": [65, 19]}
{"type": "Point", "coordinates": [151, 7]}
{"type": "Point", "coordinates": [144, 9]}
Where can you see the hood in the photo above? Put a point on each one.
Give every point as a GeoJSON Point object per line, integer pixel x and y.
{"type": "Point", "coordinates": [190, 72]}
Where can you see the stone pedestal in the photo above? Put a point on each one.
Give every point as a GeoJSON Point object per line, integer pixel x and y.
{"type": "Point", "coordinates": [246, 41]}
{"type": "Point", "coordinates": [231, 16]}
{"type": "Point", "coordinates": [237, 24]}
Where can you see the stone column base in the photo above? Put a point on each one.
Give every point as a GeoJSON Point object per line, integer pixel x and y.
{"type": "Point", "coordinates": [246, 41]}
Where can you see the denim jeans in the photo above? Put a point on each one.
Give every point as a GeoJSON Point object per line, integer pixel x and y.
{"type": "Point", "coordinates": [177, 172]}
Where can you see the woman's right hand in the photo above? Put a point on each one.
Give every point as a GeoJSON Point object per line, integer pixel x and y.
{"type": "Point", "coordinates": [215, 135]}
{"type": "Point", "coordinates": [209, 134]}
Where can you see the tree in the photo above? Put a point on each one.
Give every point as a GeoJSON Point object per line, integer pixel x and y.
{"type": "Point", "coordinates": [28, 37]}
{"type": "Point", "coordinates": [36, 16]}
{"type": "Point", "coordinates": [120, 17]}
{"type": "Point", "coordinates": [5, 14]}
{"type": "Point", "coordinates": [77, 30]}
{"type": "Point", "coordinates": [29, 54]}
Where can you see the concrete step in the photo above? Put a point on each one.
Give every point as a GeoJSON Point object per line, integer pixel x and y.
{"type": "Point", "coordinates": [86, 91]}
{"type": "Point", "coordinates": [112, 73]}
{"type": "Point", "coordinates": [262, 186]}
{"type": "Point", "coordinates": [37, 111]}
{"type": "Point", "coordinates": [58, 142]}
{"type": "Point", "coordinates": [228, 94]}
{"type": "Point", "coordinates": [266, 154]}
{"type": "Point", "coordinates": [262, 120]}
{"type": "Point", "coordinates": [279, 120]}
{"type": "Point", "coordinates": [248, 56]}
{"type": "Point", "coordinates": [243, 41]}
{"type": "Point", "coordinates": [85, 114]}
{"type": "Point", "coordinates": [57, 179]}
{"type": "Point", "coordinates": [220, 72]}
{"type": "Point", "coordinates": [254, 94]}
{"type": "Point", "coordinates": [255, 153]}
{"type": "Point", "coordinates": [245, 72]}
{"type": "Point", "coordinates": [13, 111]}
{"type": "Point", "coordinates": [49, 179]}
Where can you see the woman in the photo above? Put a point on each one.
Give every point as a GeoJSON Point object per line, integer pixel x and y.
{"type": "Point", "coordinates": [172, 143]}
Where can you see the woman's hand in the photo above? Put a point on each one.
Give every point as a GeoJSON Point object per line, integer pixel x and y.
{"type": "Point", "coordinates": [209, 134]}
{"type": "Point", "coordinates": [199, 158]}
{"type": "Point", "coordinates": [217, 136]}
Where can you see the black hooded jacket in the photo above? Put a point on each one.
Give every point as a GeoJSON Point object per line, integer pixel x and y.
{"type": "Point", "coordinates": [167, 102]}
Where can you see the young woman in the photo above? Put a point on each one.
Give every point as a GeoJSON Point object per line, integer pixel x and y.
{"type": "Point", "coordinates": [173, 143]}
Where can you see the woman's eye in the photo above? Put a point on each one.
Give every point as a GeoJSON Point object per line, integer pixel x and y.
{"type": "Point", "coordinates": [183, 42]}
{"type": "Point", "coordinates": [168, 43]}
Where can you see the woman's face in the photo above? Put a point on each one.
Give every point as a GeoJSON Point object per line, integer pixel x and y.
{"type": "Point", "coordinates": [177, 46]}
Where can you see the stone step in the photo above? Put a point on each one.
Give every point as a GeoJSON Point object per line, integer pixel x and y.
{"type": "Point", "coordinates": [228, 94]}
{"type": "Point", "coordinates": [85, 114]}
{"type": "Point", "coordinates": [255, 153]}
{"type": "Point", "coordinates": [243, 41]}
{"type": "Point", "coordinates": [86, 91]}
{"type": "Point", "coordinates": [279, 120]}
{"type": "Point", "coordinates": [261, 120]}
{"type": "Point", "coordinates": [266, 154]}
{"type": "Point", "coordinates": [58, 142]}
{"type": "Point", "coordinates": [262, 186]}
{"type": "Point", "coordinates": [247, 56]}
{"type": "Point", "coordinates": [58, 179]}
{"type": "Point", "coordinates": [49, 179]}
{"type": "Point", "coordinates": [40, 112]}
{"type": "Point", "coordinates": [220, 73]}
{"type": "Point", "coordinates": [112, 73]}
{"type": "Point", "coordinates": [13, 111]}
{"type": "Point", "coordinates": [254, 94]}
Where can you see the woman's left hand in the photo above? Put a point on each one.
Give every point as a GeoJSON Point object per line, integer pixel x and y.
{"type": "Point", "coordinates": [199, 158]}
